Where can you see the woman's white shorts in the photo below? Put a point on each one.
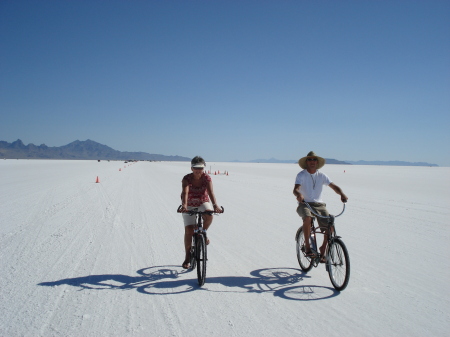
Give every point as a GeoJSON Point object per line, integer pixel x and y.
{"type": "Point", "coordinates": [190, 219]}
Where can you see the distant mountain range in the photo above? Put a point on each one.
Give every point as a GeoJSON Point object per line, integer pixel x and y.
{"type": "Point", "coordinates": [292, 161]}
{"type": "Point", "coordinates": [390, 163]}
{"type": "Point", "coordinates": [347, 162]}
{"type": "Point", "coordinates": [89, 149]}
{"type": "Point", "coordinates": [76, 150]}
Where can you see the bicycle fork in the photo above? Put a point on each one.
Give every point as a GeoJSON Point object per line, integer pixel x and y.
{"type": "Point", "coordinates": [334, 257]}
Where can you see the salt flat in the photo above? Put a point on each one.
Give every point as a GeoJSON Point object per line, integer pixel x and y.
{"type": "Point", "coordinates": [80, 258]}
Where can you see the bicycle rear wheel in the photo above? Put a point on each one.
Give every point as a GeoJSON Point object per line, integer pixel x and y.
{"type": "Point", "coordinates": [338, 264]}
{"type": "Point", "coordinates": [304, 261]}
{"type": "Point", "coordinates": [201, 259]}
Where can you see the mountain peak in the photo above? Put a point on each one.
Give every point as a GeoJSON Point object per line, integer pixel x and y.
{"type": "Point", "coordinates": [18, 144]}
{"type": "Point", "coordinates": [82, 150]}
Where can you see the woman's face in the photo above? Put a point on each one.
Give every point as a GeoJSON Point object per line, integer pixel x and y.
{"type": "Point", "coordinates": [197, 171]}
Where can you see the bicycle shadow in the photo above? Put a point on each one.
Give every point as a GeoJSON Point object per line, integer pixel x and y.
{"type": "Point", "coordinates": [166, 280]}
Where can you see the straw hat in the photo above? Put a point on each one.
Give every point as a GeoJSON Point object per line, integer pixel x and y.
{"type": "Point", "coordinates": [320, 160]}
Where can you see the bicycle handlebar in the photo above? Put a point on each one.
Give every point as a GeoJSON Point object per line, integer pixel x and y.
{"type": "Point", "coordinates": [192, 212]}
{"type": "Point", "coordinates": [325, 217]}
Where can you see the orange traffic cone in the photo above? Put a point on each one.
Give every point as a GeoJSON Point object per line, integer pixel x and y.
{"type": "Point", "coordinates": [98, 180]}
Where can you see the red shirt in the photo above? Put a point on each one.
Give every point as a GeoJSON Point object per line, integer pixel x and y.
{"type": "Point", "coordinates": [197, 195]}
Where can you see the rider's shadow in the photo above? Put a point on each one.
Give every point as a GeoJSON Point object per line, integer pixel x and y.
{"type": "Point", "coordinates": [165, 280]}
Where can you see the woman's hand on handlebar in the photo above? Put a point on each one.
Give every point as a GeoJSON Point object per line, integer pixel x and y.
{"type": "Point", "coordinates": [182, 209]}
{"type": "Point", "coordinates": [218, 209]}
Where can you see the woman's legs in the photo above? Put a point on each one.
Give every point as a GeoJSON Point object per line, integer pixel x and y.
{"type": "Point", "coordinates": [189, 229]}
{"type": "Point", "coordinates": [207, 220]}
{"type": "Point", "coordinates": [188, 232]}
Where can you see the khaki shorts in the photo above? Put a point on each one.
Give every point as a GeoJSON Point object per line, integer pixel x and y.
{"type": "Point", "coordinates": [318, 207]}
{"type": "Point", "coordinates": [190, 219]}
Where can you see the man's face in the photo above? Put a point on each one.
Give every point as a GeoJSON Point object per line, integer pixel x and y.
{"type": "Point", "coordinates": [311, 162]}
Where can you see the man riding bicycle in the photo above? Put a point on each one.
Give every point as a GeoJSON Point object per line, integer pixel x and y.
{"type": "Point", "coordinates": [308, 187]}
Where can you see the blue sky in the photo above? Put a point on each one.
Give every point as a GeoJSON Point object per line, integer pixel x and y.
{"type": "Point", "coordinates": [351, 80]}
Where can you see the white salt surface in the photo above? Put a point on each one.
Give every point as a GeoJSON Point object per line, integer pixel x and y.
{"type": "Point", "coordinates": [80, 258]}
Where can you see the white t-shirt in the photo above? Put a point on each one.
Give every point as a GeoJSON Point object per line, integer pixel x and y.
{"type": "Point", "coordinates": [311, 185]}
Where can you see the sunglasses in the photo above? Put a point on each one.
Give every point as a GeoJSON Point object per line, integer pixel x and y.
{"type": "Point", "coordinates": [198, 168]}
{"type": "Point", "coordinates": [311, 159]}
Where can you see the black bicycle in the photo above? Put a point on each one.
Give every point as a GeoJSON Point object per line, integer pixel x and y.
{"type": "Point", "coordinates": [198, 253]}
{"type": "Point", "coordinates": [336, 259]}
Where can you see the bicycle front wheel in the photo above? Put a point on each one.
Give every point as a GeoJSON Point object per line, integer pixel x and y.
{"type": "Point", "coordinates": [201, 259]}
{"type": "Point", "coordinates": [304, 261]}
{"type": "Point", "coordinates": [338, 264]}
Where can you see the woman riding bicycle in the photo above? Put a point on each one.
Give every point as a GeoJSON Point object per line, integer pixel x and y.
{"type": "Point", "coordinates": [197, 192]}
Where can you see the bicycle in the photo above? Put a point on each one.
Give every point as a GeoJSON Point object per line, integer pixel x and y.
{"type": "Point", "coordinates": [337, 260]}
{"type": "Point", "coordinates": [198, 253]}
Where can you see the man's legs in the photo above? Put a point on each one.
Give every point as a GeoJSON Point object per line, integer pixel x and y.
{"type": "Point", "coordinates": [324, 245]}
{"type": "Point", "coordinates": [307, 231]}
{"type": "Point", "coordinates": [307, 221]}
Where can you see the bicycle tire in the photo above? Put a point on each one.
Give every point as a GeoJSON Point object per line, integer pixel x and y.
{"type": "Point", "coordinates": [304, 261]}
{"type": "Point", "coordinates": [338, 264]}
{"type": "Point", "coordinates": [201, 259]}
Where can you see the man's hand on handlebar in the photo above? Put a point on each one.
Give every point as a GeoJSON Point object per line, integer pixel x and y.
{"type": "Point", "coordinates": [300, 198]}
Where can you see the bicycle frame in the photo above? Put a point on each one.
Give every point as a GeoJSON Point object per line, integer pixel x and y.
{"type": "Point", "coordinates": [329, 231]}
{"type": "Point", "coordinates": [335, 255]}
{"type": "Point", "coordinates": [198, 228]}
{"type": "Point", "coordinates": [198, 251]}
{"type": "Point", "coordinates": [198, 218]}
